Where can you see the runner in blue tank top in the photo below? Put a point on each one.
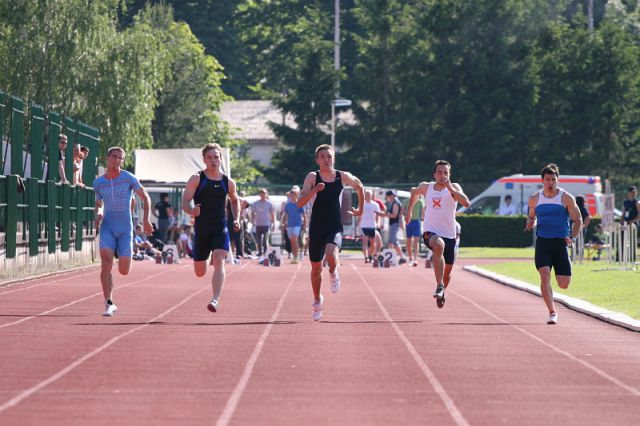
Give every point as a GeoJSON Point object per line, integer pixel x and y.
{"type": "Point", "coordinates": [325, 225]}
{"type": "Point", "coordinates": [113, 192]}
{"type": "Point", "coordinates": [553, 206]}
{"type": "Point", "coordinates": [209, 190]}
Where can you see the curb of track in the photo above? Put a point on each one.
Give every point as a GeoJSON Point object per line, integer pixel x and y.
{"type": "Point", "coordinates": [48, 274]}
{"type": "Point", "coordinates": [579, 305]}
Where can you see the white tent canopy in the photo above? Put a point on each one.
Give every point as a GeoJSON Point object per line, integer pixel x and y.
{"type": "Point", "coordinates": [172, 165]}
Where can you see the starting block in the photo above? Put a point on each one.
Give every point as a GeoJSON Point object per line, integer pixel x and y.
{"type": "Point", "coordinates": [273, 257]}
{"type": "Point", "coordinates": [385, 260]}
{"type": "Point", "coordinates": [168, 255]}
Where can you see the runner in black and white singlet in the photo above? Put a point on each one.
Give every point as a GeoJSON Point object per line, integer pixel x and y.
{"type": "Point", "coordinates": [325, 228]}
{"type": "Point", "coordinates": [209, 190]}
{"type": "Point", "coordinates": [442, 198]}
{"type": "Point", "coordinates": [553, 207]}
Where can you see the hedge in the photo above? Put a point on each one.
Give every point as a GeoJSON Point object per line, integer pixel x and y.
{"type": "Point", "coordinates": [500, 231]}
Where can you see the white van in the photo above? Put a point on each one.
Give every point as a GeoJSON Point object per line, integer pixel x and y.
{"type": "Point", "coordinates": [520, 187]}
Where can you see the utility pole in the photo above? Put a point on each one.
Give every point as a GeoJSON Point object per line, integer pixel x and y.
{"type": "Point", "coordinates": [590, 14]}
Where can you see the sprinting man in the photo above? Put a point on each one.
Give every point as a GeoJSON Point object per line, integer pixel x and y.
{"type": "Point", "coordinates": [553, 206]}
{"type": "Point", "coordinates": [325, 228]}
{"type": "Point", "coordinates": [441, 200]}
{"type": "Point", "coordinates": [113, 192]}
{"type": "Point", "coordinates": [209, 189]}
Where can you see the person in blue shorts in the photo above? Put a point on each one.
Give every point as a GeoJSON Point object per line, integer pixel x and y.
{"type": "Point", "coordinates": [414, 229]}
{"type": "Point", "coordinates": [209, 189]}
{"type": "Point", "coordinates": [294, 218]}
{"type": "Point", "coordinates": [113, 192]}
{"type": "Point", "coordinates": [553, 206]}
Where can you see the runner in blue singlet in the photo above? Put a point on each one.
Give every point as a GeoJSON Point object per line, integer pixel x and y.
{"type": "Point", "coordinates": [113, 192]}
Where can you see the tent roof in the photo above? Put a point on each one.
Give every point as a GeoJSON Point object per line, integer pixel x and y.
{"type": "Point", "coordinates": [171, 165]}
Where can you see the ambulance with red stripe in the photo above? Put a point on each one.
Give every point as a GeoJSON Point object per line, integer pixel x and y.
{"type": "Point", "coordinates": [520, 187]}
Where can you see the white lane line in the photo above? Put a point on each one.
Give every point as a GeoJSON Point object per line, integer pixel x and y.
{"type": "Point", "coordinates": [28, 392]}
{"type": "Point", "coordinates": [38, 283]}
{"type": "Point", "coordinates": [234, 398]}
{"type": "Point", "coordinates": [451, 407]}
{"type": "Point", "coordinates": [551, 346]}
{"type": "Point", "coordinates": [77, 301]}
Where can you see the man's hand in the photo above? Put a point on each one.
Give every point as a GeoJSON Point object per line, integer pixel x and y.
{"type": "Point", "coordinates": [531, 223]}
{"type": "Point", "coordinates": [148, 227]}
{"type": "Point", "coordinates": [195, 211]}
{"type": "Point", "coordinates": [236, 226]}
{"type": "Point", "coordinates": [354, 211]}
{"type": "Point", "coordinates": [319, 187]}
{"type": "Point", "coordinates": [98, 220]}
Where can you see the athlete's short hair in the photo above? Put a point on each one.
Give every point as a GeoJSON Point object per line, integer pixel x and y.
{"type": "Point", "coordinates": [116, 148]}
{"type": "Point", "coordinates": [208, 147]}
{"type": "Point", "coordinates": [323, 147]}
{"type": "Point", "coordinates": [550, 169]}
{"type": "Point", "coordinates": [441, 163]}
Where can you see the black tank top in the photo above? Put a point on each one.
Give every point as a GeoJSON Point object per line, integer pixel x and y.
{"type": "Point", "coordinates": [325, 214]}
{"type": "Point", "coordinates": [212, 197]}
{"type": "Point", "coordinates": [630, 206]}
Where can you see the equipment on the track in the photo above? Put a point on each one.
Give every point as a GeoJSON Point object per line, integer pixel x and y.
{"type": "Point", "coordinates": [273, 258]}
{"type": "Point", "coordinates": [386, 259]}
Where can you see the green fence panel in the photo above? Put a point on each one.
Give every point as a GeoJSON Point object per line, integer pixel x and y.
{"type": "Point", "coordinates": [52, 215]}
{"type": "Point", "coordinates": [80, 197]}
{"type": "Point", "coordinates": [17, 135]}
{"type": "Point", "coordinates": [3, 106]}
{"type": "Point", "coordinates": [11, 224]}
{"type": "Point", "coordinates": [72, 135]}
{"type": "Point", "coordinates": [34, 216]}
{"type": "Point", "coordinates": [89, 137]}
{"type": "Point", "coordinates": [66, 218]}
{"type": "Point", "coordinates": [36, 141]}
{"type": "Point", "coordinates": [54, 130]}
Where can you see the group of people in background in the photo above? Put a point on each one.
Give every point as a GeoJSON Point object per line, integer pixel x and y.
{"type": "Point", "coordinates": [80, 153]}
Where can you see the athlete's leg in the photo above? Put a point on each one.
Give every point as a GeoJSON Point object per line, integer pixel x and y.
{"type": "Point", "coordinates": [447, 274]}
{"type": "Point", "coordinates": [545, 287]}
{"type": "Point", "coordinates": [372, 245]}
{"type": "Point", "coordinates": [124, 264]}
{"type": "Point", "coordinates": [437, 246]}
{"type": "Point", "coordinates": [316, 279]}
{"type": "Point", "coordinates": [200, 267]}
{"type": "Point", "coordinates": [416, 247]}
{"type": "Point", "coordinates": [219, 256]}
{"type": "Point", "coordinates": [366, 249]}
{"type": "Point", "coordinates": [331, 256]}
{"type": "Point", "coordinates": [378, 246]}
{"type": "Point", "coordinates": [409, 242]}
{"type": "Point", "coordinates": [106, 257]}
{"type": "Point", "coordinates": [563, 281]}
{"type": "Point", "coordinates": [294, 245]}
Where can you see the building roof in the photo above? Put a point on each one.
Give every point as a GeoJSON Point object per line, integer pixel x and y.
{"type": "Point", "coordinates": [249, 119]}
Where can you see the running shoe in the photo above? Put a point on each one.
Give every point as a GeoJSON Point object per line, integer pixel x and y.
{"type": "Point", "coordinates": [439, 293]}
{"type": "Point", "coordinates": [109, 309]}
{"type": "Point", "coordinates": [402, 261]}
{"type": "Point", "coordinates": [440, 302]}
{"type": "Point", "coordinates": [553, 319]}
{"type": "Point", "coordinates": [414, 264]}
{"type": "Point", "coordinates": [335, 282]}
{"type": "Point", "coordinates": [213, 306]}
{"type": "Point", "coordinates": [317, 309]}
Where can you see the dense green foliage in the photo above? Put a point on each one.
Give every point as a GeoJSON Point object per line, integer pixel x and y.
{"type": "Point", "coordinates": [494, 231]}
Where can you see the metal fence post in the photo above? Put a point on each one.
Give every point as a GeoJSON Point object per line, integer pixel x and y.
{"type": "Point", "coordinates": [51, 216]}
{"type": "Point", "coordinates": [12, 215]}
{"type": "Point", "coordinates": [2, 116]}
{"type": "Point", "coordinates": [80, 196]}
{"type": "Point", "coordinates": [33, 215]}
{"type": "Point", "coordinates": [17, 135]}
{"type": "Point", "coordinates": [66, 218]}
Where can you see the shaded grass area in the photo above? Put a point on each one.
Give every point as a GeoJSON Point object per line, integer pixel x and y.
{"type": "Point", "coordinates": [495, 253]}
{"type": "Point", "coordinates": [617, 291]}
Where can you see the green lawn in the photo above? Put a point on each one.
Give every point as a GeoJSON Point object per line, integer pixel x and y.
{"type": "Point", "coordinates": [495, 253]}
{"type": "Point", "coordinates": [615, 290]}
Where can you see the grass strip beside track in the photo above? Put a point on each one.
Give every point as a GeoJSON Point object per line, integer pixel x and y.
{"type": "Point", "coordinates": [496, 252]}
{"type": "Point", "coordinates": [615, 290]}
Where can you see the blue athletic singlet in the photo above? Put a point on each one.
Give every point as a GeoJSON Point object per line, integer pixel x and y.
{"type": "Point", "coordinates": [116, 230]}
{"type": "Point", "coordinates": [211, 232]}
{"type": "Point", "coordinates": [553, 218]}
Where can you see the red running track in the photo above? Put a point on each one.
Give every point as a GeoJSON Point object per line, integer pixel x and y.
{"type": "Point", "coordinates": [383, 354]}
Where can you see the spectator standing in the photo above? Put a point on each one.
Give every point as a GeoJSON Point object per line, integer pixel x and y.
{"type": "Point", "coordinates": [263, 219]}
{"type": "Point", "coordinates": [163, 211]}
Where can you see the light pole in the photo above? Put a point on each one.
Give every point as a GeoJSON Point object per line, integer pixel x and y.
{"type": "Point", "coordinates": [336, 103]}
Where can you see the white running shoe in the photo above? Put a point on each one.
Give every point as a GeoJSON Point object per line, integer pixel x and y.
{"type": "Point", "coordinates": [109, 309]}
{"type": "Point", "coordinates": [335, 282]}
{"type": "Point", "coordinates": [213, 306]}
{"type": "Point", "coordinates": [553, 319]}
{"type": "Point", "coordinates": [317, 309]}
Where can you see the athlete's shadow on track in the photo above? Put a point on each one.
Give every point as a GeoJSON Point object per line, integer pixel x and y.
{"type": "Point", "coordinates": [371, 322]}
{"type": "Point", "coordinates": [488, 323]}
{"type": "Point", "coordinates": [210, 324]}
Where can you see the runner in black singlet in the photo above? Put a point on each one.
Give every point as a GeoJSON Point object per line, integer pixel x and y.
{"type": "Point", "coordinates": [325, 228]}
{"type": "Point", "coordinates": [209, 189]}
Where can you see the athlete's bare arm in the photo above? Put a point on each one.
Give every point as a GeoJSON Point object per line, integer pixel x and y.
{"type": "Point", "coordinates": [309, 189]}
{"type": "Point", "coordinates": [531, 218]}
{"type": "Point", "coordinates": [146, 208]}
{"type": "Point", "coordinates": [421, 189]}
{"type": "Point", "coordinates": [574, 213]}
{"type": "Point", "coordinates": [235, 204]}
{"type": "Point", "coordinates": [98, 211]}
{"type": "Point", "coordinates": [355, 183]}
{"type": "Point", "coordinates": [187, 196]}
{"type": "Point", "coordinates": [458, 194]}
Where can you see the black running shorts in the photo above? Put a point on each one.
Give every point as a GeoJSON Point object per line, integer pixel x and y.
{"type": "Point", "coordinates": [553, 252]}
{"type": "Point", "coordinates": [449, 246]}
{"type": "Point", "coordinates": [318, 242]}
{"type": "Point", "coordinates": [207, 240]}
